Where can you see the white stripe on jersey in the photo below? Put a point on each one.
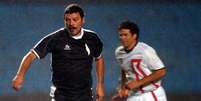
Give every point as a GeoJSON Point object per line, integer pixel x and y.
{"type": "Point", "coordinates": [88, 30]}
{"type": "Point", "coordinates": [138, 63]}
{"type": "Point", "coordinates": [42, 40]}
{"type": "Point", "coordinates": [35, 53]}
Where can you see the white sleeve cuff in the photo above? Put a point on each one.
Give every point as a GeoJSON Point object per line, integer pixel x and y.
{"type": "Point", "coordinates": [100, 56]}
{"type": "Point", "coordinates": [35, 53]}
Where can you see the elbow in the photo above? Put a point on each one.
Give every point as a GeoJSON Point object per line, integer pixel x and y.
{"type": "Point", "coordinates": [163, 72]}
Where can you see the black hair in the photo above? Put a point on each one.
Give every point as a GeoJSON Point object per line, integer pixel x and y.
{"type": "Point", "coordinates": [74, 8]}
{"type": "Point", "coordinates": [134, 29]}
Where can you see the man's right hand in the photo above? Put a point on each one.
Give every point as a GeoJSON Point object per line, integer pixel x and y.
{"type": "Point", "coordinates": [123, 92]}
{"type": "Point", "coordinates": [17, 82]}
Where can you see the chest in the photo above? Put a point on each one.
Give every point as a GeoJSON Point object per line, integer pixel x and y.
{"type": "Point", "coordinates": [71, 48]}
{"type": "Point", "coordinates": [133, 61]}
{"type": "Point", "coordinates": [135, 65]}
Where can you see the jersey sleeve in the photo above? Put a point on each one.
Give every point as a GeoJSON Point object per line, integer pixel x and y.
{"type": "Point", "coordinates": [153, 60]}
{"type": "Point", "coordinates": [42, 47]}
{"type": "Point", "coordinates": [118, 55]}
{"type": "Point", "coordinates": [98, 47]}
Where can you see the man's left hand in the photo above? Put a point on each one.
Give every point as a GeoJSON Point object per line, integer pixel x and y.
{"type": "Point", "coordinates": [100, 93]}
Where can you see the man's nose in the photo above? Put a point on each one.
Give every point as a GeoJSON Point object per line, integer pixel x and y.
{"type": "Point", "coordinates": [71, 23]}
{"type": "Point", "coordinates": [122, 37]}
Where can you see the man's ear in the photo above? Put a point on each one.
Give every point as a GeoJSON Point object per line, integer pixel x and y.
{"type": "Point", "coordinates": [83, 20]}
{"type": "Point", "coordinates": [135, 36]}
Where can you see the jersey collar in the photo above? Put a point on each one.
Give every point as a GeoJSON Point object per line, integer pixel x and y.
{"type": "Point", "coordinates": [128, 51]}
{"type": "Point", "coordinates": [80, 36]}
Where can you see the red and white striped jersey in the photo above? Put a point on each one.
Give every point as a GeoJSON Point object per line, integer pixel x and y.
{"type": "Point", "coordinates": [141, 61]}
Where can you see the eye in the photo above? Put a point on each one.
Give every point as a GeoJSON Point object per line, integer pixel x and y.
{"type": "Point", "coordinates": [120, 35]}
{"type": "Point", "coordinates": [67, 19]}
{"type": "Point", "coordinates": [76, 19]}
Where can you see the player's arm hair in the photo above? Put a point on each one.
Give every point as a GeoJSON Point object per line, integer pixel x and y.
{"type": "Point", "coordinates": [25, 63]}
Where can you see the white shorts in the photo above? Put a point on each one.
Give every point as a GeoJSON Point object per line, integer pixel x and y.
{"type": "Point", "coordinates": [156, 95]}
{"type": "Point", "coordinates": [52, 91]}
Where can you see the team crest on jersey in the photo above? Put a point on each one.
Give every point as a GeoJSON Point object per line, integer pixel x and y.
{"type": "Point", "coordinates": [67, 47]}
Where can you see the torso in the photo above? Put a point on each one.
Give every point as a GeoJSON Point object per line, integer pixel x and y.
{"type": "Point", "coordinates": [71, 59]}
{"type": "Point", "coordinates": [136, 64]}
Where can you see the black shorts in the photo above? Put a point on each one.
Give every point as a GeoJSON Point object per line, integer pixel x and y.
{"type": "Point", "coordinates": [64, 96]}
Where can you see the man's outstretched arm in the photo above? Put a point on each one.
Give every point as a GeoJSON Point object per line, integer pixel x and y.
{"type": "Point", "coordinates": [24, 66]}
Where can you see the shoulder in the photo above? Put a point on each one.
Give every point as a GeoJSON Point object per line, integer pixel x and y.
{"type": "Point", "coordinates": [90, 33]}
{"type": "Point", "coordinates": [144, 46]}
{"type": "Point", "coordinates": [119, 50]}
{"type": "Point", "coordinates": [147, 49]}
{"type": "Point", "coordinates": [54, 34]}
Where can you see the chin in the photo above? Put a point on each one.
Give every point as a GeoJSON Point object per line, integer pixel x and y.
{"type": "Point", "coordinates": [124, 45]}
{"type": "Point", "coordinates": [73, 33]}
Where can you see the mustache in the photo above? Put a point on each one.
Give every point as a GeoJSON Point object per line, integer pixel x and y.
{"type": "Point", "coordinates": [71, 27]}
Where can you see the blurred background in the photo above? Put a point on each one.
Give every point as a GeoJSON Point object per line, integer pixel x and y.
{"type": "Point", "coordinates": [172, 27]}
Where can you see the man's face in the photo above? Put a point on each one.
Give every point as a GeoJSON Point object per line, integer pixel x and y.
{"type": "Point", "coordinates": [74, 23]}
{"type": "Point", "coordinates": [127, 39]}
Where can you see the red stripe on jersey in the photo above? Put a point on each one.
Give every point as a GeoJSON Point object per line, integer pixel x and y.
{"type": "Point", "coordinates": [135, 72]}
{"type": "Point", "coordinates": [155, 84]}
{"type": "Point", "coordinates": [154, 96]}
{"type": "Point", "coordinates": [139, 68]}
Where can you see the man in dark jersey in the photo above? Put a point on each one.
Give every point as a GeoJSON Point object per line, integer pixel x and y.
{"type": "Point", "coordinates": [73, 50]}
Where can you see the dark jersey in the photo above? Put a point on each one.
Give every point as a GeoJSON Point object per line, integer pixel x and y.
{"type": "Point", "coordinates": [71, 59]}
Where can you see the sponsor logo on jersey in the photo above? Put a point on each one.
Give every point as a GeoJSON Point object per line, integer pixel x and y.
{"type": "Point", "coordinates": [67, 47]}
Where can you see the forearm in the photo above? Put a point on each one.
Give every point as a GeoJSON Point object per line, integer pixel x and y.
{"type": "Point", "coordinates": [147, 80]}
{"type": "Point", "coordinates": [25, 64]}
{"type": "Point", "coordinates": [100, 79]}
{"type": "Point", "coordinates": [100, 70]}
{"type": "Point", "coordinates": [157, 75]}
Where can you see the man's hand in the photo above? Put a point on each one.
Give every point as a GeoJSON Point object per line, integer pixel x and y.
{"type": "Point", "coordinates": [100, 93]}
{"type": "Point", "coordinates": [118, 98]}
{"type": "Point", "coordinates": [122, 95]}
{"type": "Point", "coordinates": [123, 92]}
{"type": "Point", "coordinates": [17, 82]}
{"type": "Point", "coordinates": [24, 66]}
{"type": "Point", "coordinates": [133, 85]}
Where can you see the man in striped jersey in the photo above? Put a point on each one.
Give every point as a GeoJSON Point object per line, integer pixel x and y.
{"type": "Point", "coordinates": [141, 68]}
{"type": "Point", "coordinates": [73, 50]}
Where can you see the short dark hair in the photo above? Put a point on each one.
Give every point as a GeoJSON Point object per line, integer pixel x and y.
{"type": "Point", "coordinates": [74, 8]}
{"type": "Point", "coordinates": [134, 29]}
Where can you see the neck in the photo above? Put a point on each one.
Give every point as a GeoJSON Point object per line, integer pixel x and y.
{"type": "Point", "coordinates": [78, 36]}
{"type": "Point", "coordinates": [130, 48]}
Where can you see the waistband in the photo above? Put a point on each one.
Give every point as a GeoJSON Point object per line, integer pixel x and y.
{"type": "Point", "coordinates": [141, 91]}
